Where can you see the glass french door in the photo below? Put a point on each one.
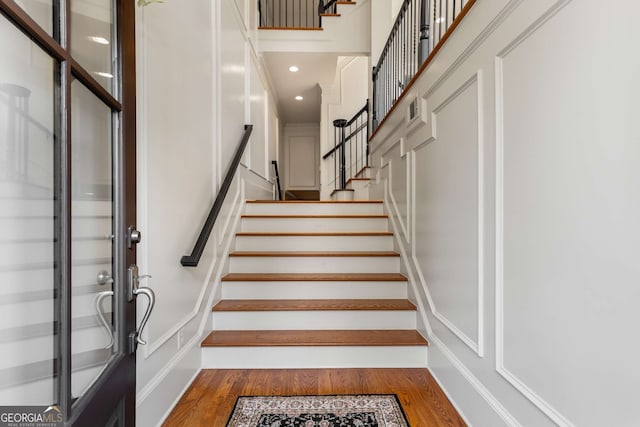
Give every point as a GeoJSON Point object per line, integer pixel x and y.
{"type": "Point", "coordinates": [68, 279]}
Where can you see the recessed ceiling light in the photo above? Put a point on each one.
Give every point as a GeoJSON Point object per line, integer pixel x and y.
{"type": "Point", "coordinates": [102, 74]}
{"type": "Point", "coordinates": [293, 69]}
{"type": "Point", "coordinates": [99, 40]}
{"type": "Point", "coordinates": [299, 98]}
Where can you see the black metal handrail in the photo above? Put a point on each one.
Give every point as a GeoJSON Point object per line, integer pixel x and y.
{"type": "Point", "coordinates": [349, 123]}
{"type": "Point", "coordinates": [351, 146]}
{"type": "Point", "coordinates": [277, 176]}
{"type": "Point", "coordinates": [198, 249]}
{"type": "Point", "coordinates": [330, 6]}
{"type": "Point", "coordinates": [417, 30]}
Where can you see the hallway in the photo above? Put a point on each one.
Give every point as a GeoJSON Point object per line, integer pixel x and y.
{"type": "Point", "coordinates": [211, 398]}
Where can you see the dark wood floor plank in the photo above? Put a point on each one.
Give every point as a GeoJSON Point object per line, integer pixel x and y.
{"type": "Point", "coordinates": [211, 398]}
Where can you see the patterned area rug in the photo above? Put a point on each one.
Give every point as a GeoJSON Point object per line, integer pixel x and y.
{"type": "Point", "coordinates": [366, 410]}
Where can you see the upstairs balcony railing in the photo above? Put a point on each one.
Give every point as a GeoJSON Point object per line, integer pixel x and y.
{"type": "Point", "coordinates": [420, 27]}
{"type": "Point", "coordinates": [351, 147]}
{"type": "Point", "coordinates": [294, 14]}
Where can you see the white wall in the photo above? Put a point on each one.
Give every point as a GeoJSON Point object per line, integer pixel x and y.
{"type": "Point", "coordinates": [513, 203]}
{"type": "Point", "coordinates": [341, 100]}
{"type": "Point", "coordinates": [199, 82]}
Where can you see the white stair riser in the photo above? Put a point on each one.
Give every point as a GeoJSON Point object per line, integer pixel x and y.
{"type": "Point", "coordinates": [366, 173]}
{"type": "Point", "coordinates": [314, 290]}
{"type": "Point", "coordinates": [42, 228]}
{"type": "Point", "coordinates": [314, 357]}
{"type": "Point", "coordinates": [34, 312]}
{"type": "Point", "coordinates": [314, 243]}
{"type": "Point", "coordinates": [342, 195]}
{"type": "Point", "coordinates": [314, 264]}
{"type": "Point", "coordinates": [17, 353]}
{"type": "Point", "coordinates": [18, 207]}
{"type": "Point", "coordinates": [302, 320]}
{"type": "Point", "coordinates": [23, 253]}
{"type": "Point", "coordinates": [361, 189]}
{"type": "Point", "coordinates": [316, 225]}
{"type": "Point", "coordinates": [314, 208]}
{"type": "Point", "coordinates": [41, 279]}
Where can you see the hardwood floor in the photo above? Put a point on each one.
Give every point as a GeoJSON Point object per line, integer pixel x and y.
{"type": "Point", "coordinates": [211, 398]}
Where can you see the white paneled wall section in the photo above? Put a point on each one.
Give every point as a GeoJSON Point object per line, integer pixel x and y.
{"type": "Point", "coordinates": [199, 82]}
{"type": "Point", "coordinates": [513, 202]}
{"type": "Point", "coordinates": [340, 100]}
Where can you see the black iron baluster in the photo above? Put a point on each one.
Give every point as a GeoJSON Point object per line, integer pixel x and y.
{"type": "Point", "coordinates": [358, 142]}
{"type": "Point", "coordinates": [335, 157]}
{"type": "Point", "coordinates": [351, 147]}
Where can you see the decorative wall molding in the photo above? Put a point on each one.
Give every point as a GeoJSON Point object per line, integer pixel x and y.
{"type": "Point", "coordinates": [536, 399]}
{"type": "Point", "coordinates": [217, 235]}
{"type": "Point", "coordinates": [476, 345]}
{"type": "Point", "coordinates": [475, 383]}
{"type": "Point", "coordinates": [386, 161]}
{"type": "Point", "coordinates": [474, 45]}
{"type": "Point", "coordinates": [405, 259]}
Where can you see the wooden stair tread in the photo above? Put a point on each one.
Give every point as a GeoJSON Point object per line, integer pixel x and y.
{"type": "Point", "coordinates": [314, 234]}
{"type": "Point", "coordinates": [292, 28]}
{"type": "Point", "coordinates": [313, 254]}
{"type": "Point", "coordinates": [358, 216]}
{"type": "Point", "coordinates": [330, 14]}
{"type": "Point", "coordinates": [316, 201]}
{"type": "Point", "coordinates": [314, 277]}
{"type": "Point", "coordinates": [363, 170]}
{"type": "Point", "coordinates": [315, 305]}
{"type": "Point", "coordinates": [337, 190]}
{"type": "Point", "coordinates": [314, 338]}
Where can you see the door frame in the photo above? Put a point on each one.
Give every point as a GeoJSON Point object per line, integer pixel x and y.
{"type": "Point", "coordinates": [115, 388]}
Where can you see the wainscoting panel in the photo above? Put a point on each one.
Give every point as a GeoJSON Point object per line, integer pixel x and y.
{"type": "Point", "coordinates": [447, 203]}
{"type": "Point", "coordinates": [567, 224]}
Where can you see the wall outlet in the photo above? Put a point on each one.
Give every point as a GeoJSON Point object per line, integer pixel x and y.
{"type": "Point", "coordinates": [180, 338]}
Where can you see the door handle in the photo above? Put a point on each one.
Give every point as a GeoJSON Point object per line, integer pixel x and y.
{"type": "Point", "coordinates": [107, 326]}
{"type": "Point", "coordinates": [134, 289]}
{"type": "Point", "coordinates": [148, 292]}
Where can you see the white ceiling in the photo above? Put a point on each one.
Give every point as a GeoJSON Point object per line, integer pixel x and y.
{"type": "Point", "coordinates": [314, 68]}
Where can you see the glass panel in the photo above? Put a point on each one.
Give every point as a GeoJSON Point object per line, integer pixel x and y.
{"type": "Point", "coordinates": [92, 237]}
{"type": "Point", "coordinates": [27, 77]}
{"type": "Point", "coordinates": [41, 11]}
{"type": "Point", "coordinates": [92, 38]}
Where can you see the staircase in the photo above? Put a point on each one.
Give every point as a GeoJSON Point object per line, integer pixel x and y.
{"type": "Point", "coordinates": [314, 285]}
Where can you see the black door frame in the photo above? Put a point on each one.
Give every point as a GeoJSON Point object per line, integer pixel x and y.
{"type": "Point", "coordinates": [115, 389]}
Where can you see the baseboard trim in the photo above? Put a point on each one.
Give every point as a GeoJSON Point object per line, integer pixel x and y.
{"type": "Point", "coordinates": [493, 403]}
{"type": "Point", "coordinates": [156, 386]}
